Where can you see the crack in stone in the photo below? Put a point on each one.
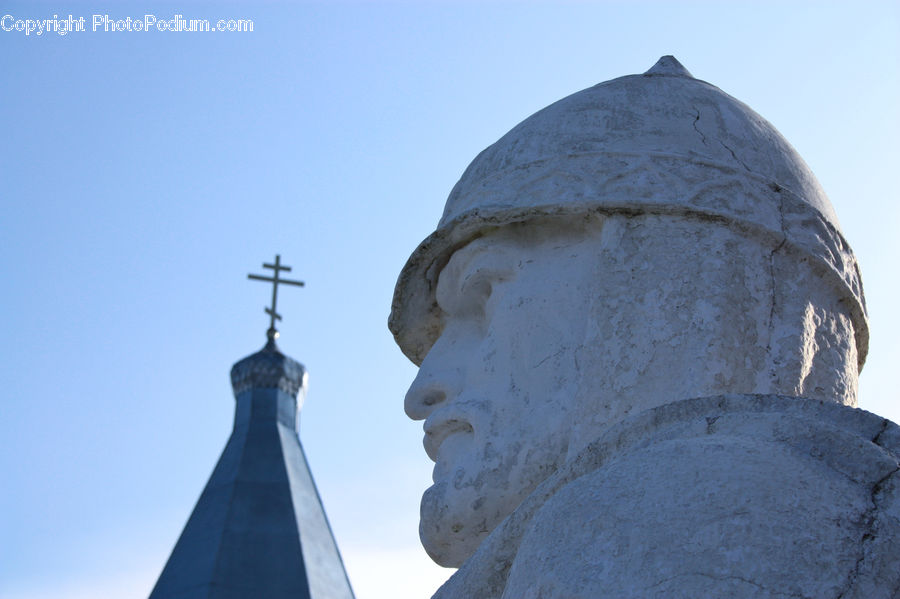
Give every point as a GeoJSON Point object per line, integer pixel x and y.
{"type": "Point", "coordinates": [772, 274]}
{"type": "Point", "coordinates": [548, 357]}
{"type": "Point", "coordinates": [870, 517]}
{"type": "Point", "coordinates": [877, 438]}
{"type": "Point", "coordinates": [697, 129]}
{"type": "Point", "coordinates": [733, 155]}
{"type": "Point", "coordinates": [773, 280]}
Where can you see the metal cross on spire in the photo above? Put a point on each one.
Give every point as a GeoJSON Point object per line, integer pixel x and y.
{"type": "Point", "coordinates": [272, 333]}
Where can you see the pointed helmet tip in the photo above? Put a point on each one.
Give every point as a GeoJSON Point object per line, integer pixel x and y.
{"type": "Point", "coordinates": [669, 65]}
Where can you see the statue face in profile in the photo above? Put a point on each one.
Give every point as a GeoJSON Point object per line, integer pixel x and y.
{"type": "Point", "coordinates": [551, 332]}
{"type": "Point", "coordinates": [494, 388]}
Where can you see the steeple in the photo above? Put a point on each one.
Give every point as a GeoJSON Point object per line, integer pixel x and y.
{"type": "Point", "coordinates": [259, 529]}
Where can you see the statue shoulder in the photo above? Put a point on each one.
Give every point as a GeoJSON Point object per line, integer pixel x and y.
{"type": "Point", "coordinates": [738, 496]}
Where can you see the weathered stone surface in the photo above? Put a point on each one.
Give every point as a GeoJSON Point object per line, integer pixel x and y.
{"type": "Point", "coordinates": [643, 242]}
{"type": "Point", "coordinates": [552, 332]}
{"type": "Point", "coordinates": [661, 143]}
{"type": "Point", "coordinates": [728, 496]}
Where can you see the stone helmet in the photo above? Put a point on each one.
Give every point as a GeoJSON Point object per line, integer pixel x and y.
{"type": "Point", "coordinates": [660, 143]}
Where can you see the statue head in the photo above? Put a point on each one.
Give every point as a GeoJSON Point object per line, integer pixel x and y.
{"type": "Point", "coordinates": [646, 240]}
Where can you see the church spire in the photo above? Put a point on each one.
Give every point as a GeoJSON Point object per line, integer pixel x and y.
{"type": "Point", "coordinates": [259, 529]}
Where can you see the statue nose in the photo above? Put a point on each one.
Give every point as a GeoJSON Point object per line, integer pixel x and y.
{"type": "Point", "coordinates": [422, 398]}
{"type": "Point", "coordinates": [441, 374]}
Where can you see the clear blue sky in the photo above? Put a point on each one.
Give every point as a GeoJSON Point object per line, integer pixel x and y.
{"type": "Point", "coordinates": [144, 174]}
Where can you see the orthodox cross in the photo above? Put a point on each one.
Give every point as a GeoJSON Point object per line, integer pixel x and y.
{"type": "Point", "coordinates": [275, 280]}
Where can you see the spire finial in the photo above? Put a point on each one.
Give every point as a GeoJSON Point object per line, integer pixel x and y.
{"type": "Point", "coordinates": [272, 333]}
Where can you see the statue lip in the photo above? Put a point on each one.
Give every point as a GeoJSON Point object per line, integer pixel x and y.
{"type": "Point", "coordinates": [439, 426]}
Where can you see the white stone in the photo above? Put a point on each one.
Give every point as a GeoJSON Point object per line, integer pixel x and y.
{"type": "Point", "coordinates": [643, 242]}
{"type": "Point", "coordinates": [729, 496]}
{"type": "Point", "coordinates": [661, 143]}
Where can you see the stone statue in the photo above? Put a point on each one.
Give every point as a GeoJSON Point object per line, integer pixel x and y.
{"type": "Point", "coordinates": [639, 330]}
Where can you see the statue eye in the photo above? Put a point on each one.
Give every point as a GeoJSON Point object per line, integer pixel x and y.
{"type": "Point", "coordinates": [474, 294]}
{"type": "Point", "coordinates": [467, 286]}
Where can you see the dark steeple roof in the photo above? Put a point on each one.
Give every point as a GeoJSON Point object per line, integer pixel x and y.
{"type": "Point", "coordinates": [259, 529]}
